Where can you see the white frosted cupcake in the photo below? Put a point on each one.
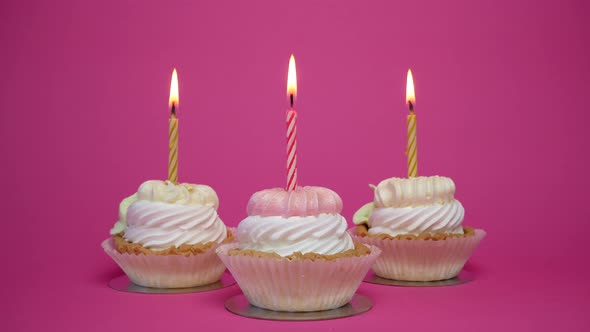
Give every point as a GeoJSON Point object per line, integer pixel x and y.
{"type": "Point", "coordinates": [294, 252]}
{"type": "Point", "coordinates": [418, 224]}
{"type": "Point", "coordinates": [167, 234]}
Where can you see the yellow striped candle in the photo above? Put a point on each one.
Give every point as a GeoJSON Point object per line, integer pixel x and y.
{"type": "Point", "coordinates": [411, 148]}
{"type": "Point", "coordinates": [173, 131]}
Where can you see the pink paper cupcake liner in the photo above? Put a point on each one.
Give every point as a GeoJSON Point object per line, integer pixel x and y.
{"type": "Point", "coordinates": [297, 285]}
{"type": "Point", "coordinates": [168, 271]}
{"type": "Point", "coordinates": [422, 260]}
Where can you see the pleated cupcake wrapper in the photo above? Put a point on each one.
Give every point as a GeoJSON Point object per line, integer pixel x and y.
{"type": "Point", "coordinates": [422, 260]}
{"type": "Point", "coordinates": [168, 271]}
{"type": "Point", "coordinates": [297, 285]}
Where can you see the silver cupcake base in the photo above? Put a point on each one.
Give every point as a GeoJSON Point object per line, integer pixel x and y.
{"type": "Point", "coordinates": [239, 305]}
{"type": "Point", "coordinates": [123, 284]}
{"type": "Point", "coordinates": [462, 278]}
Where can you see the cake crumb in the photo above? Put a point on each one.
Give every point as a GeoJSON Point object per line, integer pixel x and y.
{"type": "Point", "coordinates": [124, 247]}
{"type": "Point", "coordinates": [362, 231]}
{"type": "Point", "coordinates": [358, 250]}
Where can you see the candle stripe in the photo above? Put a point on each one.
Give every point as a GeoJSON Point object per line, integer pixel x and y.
{"type": "Point", "coordinates": [173, 150]}
{"type": "Point", "coordinates": [291, 150]}
{"type": "Point", "coordinates": [291, 157]}
{"type": "Point", "coordinates": [412, 150]}
{"type": "Point", "coordinates": [291, 160]}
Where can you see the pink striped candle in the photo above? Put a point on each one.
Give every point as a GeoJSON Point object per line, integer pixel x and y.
{"type": "Point", "coordinates": [291, 127]}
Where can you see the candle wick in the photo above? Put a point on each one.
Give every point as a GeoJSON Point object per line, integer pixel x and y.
{"type": "Point", "coordinates": [291, 99]}
{"type": "Point", "coordinates": [173, 110]}
{"type": "Point", "coordinates": [411, 106]}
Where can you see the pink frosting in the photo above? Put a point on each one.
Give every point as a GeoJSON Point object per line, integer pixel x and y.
{"type": "Point", "coordinates": [303, 201]}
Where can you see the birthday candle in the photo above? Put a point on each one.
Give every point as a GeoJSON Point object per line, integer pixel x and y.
{"type": "Point", "coordinates": [291, 127]}
{"type": "Point", "coordinates": [411, 148]}
{"type": "Point", "coordinates": [173, 130]}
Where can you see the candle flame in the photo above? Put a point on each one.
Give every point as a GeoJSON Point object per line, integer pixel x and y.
{"type": "Point", "coordinates": [292, 78]}
{"type": "Point", "coordinates": [410, 95]}
{"type": "Point", "coordinates": [173, 101]}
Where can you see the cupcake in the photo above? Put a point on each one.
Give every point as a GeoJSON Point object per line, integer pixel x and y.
{"type": "Point", "coordinates": [294, 251]}
{"type": "Point", "coordinates": [167, 234]}
{"type": "Point", "coordinates": [418, 224]}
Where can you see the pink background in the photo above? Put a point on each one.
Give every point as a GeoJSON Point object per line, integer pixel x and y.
{"type": "Point", "coordinates": [502, 109]}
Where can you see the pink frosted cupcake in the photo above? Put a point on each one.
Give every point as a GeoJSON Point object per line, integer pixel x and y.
{"type": "Point", "coordinates": [294, 253]}
{"type": "Point", "coordinates": [418, 224]}
{"type": "Point", "coordinates": [167, 234]}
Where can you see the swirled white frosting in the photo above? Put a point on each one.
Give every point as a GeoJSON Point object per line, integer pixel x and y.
{"type": "Point", "coordinates": [163, 215]}
{"type": "Point", "coordinates": [414, 206]}
{"type": "Point", "coordinates": [159, 226]}
{"type": "Point", "coordinates": [435, 218]}
{"type": "Point", "coordinates": [412, 192]}
{"type": "Point", "coordinates": [323, 234]}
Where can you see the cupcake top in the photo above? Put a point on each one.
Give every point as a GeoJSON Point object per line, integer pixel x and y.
{"type": "Point", "coordinates": [301, 202]}
{"type": "Point", "coordinates": [181, 194]}
{"type": "Point", "coordinates": [163, 214]}
{"type": "Point", "coordinates": [304, 220]}
{"type": "Point", "coordinates": [412, 192]}
{"type": "Point", "coordinates": [413, 206]}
